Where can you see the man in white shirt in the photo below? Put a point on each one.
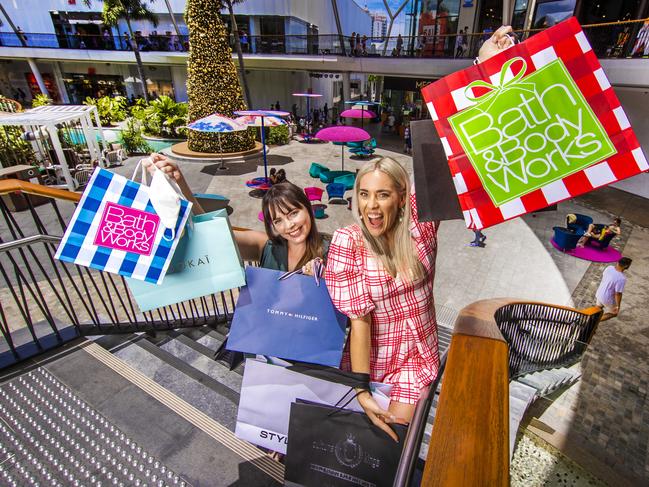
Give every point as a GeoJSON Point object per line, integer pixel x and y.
{"type": "Point", "coordinates": [609, 293]}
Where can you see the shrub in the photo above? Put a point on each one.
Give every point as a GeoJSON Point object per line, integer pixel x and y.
{"type": "Point", "coordinates": [14, 149]}
{"type": "Point", "coordinates": [162, 117]}
{"type": "Point", "coordinates": [132, 139]}
{"type": "Point", "coordinates": [41, 100]}
{"type": "Point", "coordinates": [278, 135]}
{"type": "Point", "coordinates": [112, 109]}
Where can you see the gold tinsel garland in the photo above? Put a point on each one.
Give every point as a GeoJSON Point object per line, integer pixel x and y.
{"type": "Point", "coordinates": [212, 79]}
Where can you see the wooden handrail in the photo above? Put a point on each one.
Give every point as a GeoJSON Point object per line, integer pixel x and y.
{"type": "Point", "coordinates": [469, 444]}
{"type": "Point", "coordinates": [13, 185]}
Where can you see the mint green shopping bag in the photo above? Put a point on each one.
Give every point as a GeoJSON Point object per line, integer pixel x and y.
{"type": "Point", "coordinates": [206, 261]}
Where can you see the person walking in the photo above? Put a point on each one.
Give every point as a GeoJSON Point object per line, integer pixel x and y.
{"type": "Point", "coordinates": [407, 139]}
{"type": "Point", "coordinates": [478, 239]}
{"type": "Point", "coordinates": [399, 45]}
{"type": "Point", "coordinates": [609, 292]}
{"type": "Point", "coordinates": [459, 44]}
{"type": "Point", "coordinates": [352, 43]}
{"type": "Point", "coordinates": [325, 113]}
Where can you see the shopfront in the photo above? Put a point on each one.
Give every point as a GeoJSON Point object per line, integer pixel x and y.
{"type": "Point", "coordinates": [402, 97]}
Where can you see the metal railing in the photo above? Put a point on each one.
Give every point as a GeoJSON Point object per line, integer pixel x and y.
{"type": "Point", "coordinates": [41, 296]}
{"type": "Point", "coordinates": [609, 40]}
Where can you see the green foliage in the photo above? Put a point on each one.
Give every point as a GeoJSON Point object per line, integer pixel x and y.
{"type": "Point", "coordinates": [41, 100]}
{"type": "Point", "coordinates": [13, 149]}
{"type": "Point", "coordinates": [125, 9]}
{"type": "Point", "coordinates": [277, 135]}
{"type": "Point", "coordinates": [132, 139]}
{"type": "Point", "coordinates": [112, 109]}
{"type": "Point", "coordinates": [162, 117]}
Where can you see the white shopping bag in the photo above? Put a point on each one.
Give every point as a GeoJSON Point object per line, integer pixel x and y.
{"type": "Point", "coordinates": [268, 391]}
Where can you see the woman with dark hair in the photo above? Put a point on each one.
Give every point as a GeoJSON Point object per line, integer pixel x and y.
{"type": "Point", "coordinates": [291, 240]}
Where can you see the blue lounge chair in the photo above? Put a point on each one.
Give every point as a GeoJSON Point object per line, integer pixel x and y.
{"type": "Point", "coordinates": [336, 191]}
{"type": "Point", "coordinates": [316, 169]}
{"type": "Point", "coordinates": [329, 176]}
{"type": "Point", "coordinates": [347, 180]}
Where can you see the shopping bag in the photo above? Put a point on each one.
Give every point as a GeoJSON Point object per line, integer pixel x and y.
{"type": "Point", "coordinates": [436, 197]}
{"type": "Point", "coordinates": [534, 125]}
{"type": "Point", "coordinates": [115, 227]}
{"type": "Point", "coordinates": [331, 447]}
{"type": "Point", "coordinates": [293, 319]}
{"type": "Point", "coordinates": [267, 392]}
{"type": "Point", "coordinates": [206, 261]}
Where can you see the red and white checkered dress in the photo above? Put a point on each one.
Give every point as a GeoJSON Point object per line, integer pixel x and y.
{"type": "Point", "coordinates": [404, 350]}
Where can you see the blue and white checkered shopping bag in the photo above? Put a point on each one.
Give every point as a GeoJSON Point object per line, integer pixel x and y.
{"type": "Point", "coordinates": [115, 229]}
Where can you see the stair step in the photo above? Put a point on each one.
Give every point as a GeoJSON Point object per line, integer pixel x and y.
{"type": "Point", "coordinates": [206, 394]}
{"type": "Point", "coordinates": [201, 358]}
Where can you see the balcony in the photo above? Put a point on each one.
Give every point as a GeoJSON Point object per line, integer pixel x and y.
{"type": "Point", "coordinates": [613, 43]}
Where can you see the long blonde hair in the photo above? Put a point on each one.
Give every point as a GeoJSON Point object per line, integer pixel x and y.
{"type": "Point", "coordinates": [401, 257]}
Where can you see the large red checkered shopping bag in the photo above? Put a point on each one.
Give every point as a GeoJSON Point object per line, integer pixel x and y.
{"type": "Point", "coordinates": [534, 125]}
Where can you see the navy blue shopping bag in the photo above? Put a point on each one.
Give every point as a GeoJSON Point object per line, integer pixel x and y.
{"type": "Point", "coordinates": [293, 319]}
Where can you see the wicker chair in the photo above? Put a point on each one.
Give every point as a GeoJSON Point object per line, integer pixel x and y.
{"type": "Point", "coordinates": [9, 105]}
{"type": "Point", "coordinates": [542, 336]}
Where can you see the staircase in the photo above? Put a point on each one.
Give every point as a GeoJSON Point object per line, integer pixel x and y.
{"type": "Point", "coordinates": [137, 409]}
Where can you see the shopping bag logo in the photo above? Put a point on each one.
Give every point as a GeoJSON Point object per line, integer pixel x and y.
{"type": "Point", "coordinates": [529, 131]}
{"type": "Point", "coordinates": [127, 229]}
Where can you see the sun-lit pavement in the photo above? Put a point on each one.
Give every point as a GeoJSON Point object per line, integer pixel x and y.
{"type": "Point", "coordinates": [603, 421]}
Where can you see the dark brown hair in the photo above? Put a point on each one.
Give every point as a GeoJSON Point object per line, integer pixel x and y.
{"type": "Point", "coordinates": [285, 197]}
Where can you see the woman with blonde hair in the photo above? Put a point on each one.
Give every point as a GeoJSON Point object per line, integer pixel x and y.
{"type": "Point", "coordinates": [380, 273]}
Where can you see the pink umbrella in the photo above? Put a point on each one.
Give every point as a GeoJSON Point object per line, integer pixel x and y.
{"type": "Point", "coordinates": [343, 133]}
{"type": "Point", "coordinates": [356, 113]}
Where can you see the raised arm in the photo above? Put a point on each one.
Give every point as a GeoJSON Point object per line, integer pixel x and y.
{"type": "Point", "coordinates": [172, 170]}
{"type": "Point", "coordinates": [359, 349]}
{"type": "Point", "coordinates": [250, 242]}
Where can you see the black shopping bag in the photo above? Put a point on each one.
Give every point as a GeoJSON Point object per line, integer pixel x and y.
{"type": "Point", "coordinates": [331, 447]}
{"type": "Point", "coordinates": [436, 194]}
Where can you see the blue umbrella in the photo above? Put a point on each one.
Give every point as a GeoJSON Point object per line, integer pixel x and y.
{"type": "Point", "coordinates": [218, 124]}
{"type": "Point", "coordinates": [256, 118]}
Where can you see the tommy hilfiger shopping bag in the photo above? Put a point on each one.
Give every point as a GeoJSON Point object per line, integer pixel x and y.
{"type": "Point", "coordinates": [532, 126]}
{"type": "Point", "coordinates": [293, 319]}
{"type": "Point", "coordinates": [117, 229]}
{"type": "Point", "coordinates": [206, 261]}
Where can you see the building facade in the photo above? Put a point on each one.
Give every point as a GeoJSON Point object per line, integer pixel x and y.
{"type": "Point", "coordinates": [379, 26]}
{"type": "Point", "coordinates": [78, 32]}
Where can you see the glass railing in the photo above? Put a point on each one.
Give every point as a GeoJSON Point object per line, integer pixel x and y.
{"type": "Point", "coordinates": [610, 40]}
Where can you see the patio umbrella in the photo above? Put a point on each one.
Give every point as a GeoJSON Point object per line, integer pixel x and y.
{"type": "Point", "coordinates": [262, 118]}
{"type": "Point", "coordinates": [363, 104]}
{"type": "Point", "coordinates": [218, 124]}
{"type": "Point", "coordinates": [308, 97]}
{"type": "Point", "coordinates": [343, 133]}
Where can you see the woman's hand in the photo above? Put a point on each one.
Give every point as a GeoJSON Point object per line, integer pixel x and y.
{"type": "Point", "coordinates": [379, 417]}
{"type": "Point", "coordinates": [498, 42]}
{"type": "Point", "coordinates": [172, 170]}
{"type": "Point", "coordinates": [308, 268]}
{"type": "Point", "coordinates": [165, 165]}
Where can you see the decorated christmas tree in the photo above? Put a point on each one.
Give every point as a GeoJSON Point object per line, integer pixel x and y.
{"type": "Point", "coordinates": [212, 82]}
